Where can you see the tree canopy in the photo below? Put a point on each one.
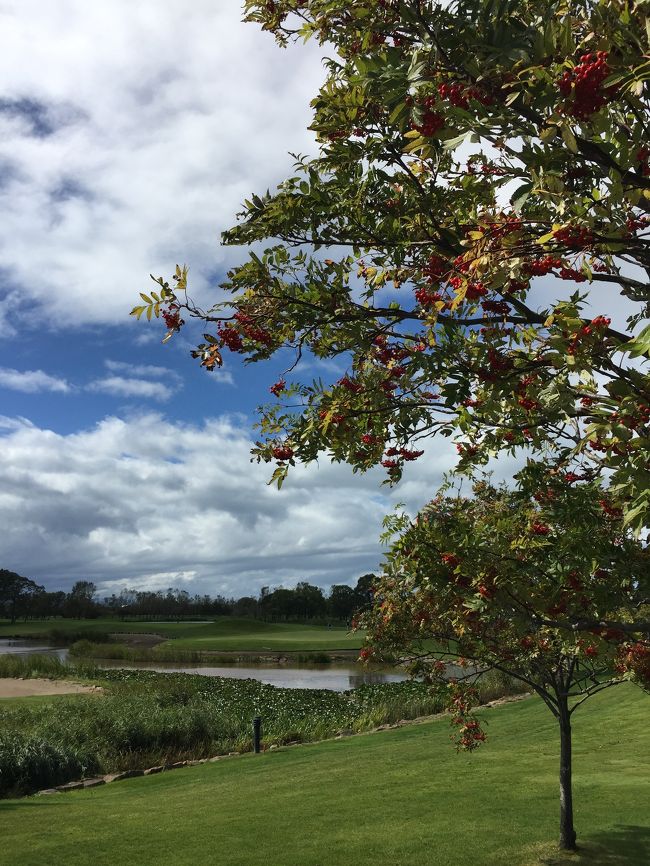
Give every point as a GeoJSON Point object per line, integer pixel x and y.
{"type": "Point", "coordinates": [17, 593]}
{"type": "Point", "coordinates": [472, 241]}
{"type": "Point", "coordinates": [548, 591]}
{"type": "Point", "coordinates": [467, 151]}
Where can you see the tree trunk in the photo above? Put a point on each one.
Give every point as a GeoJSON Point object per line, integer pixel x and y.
{"type": "Point", "coordinates": [567, 831]}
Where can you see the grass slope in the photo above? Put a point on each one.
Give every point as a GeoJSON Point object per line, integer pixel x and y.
{"type": "Point", "coordinates": [398, 798]}
{"type": "Point", "coordinates": [225, 633]}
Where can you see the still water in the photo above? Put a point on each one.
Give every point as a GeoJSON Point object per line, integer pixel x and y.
{"type": "Point", "coordinates": [338, 676]}
{"type": "Point", "coordinates": [31, 647]}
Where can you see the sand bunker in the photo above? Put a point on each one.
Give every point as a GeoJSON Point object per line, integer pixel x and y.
{"type": "Point", "coordinates": [14, 688]}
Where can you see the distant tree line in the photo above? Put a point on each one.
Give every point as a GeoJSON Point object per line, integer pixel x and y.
{"type": "Point", "coordinates": [22, 598]}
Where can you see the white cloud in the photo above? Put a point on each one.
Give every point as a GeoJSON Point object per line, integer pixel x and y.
{"type": "Point", "coordinates": [118, 386]}
{"type": "Point", "coordinates": [137, 147]}
{"type": "Point", "coordinates": [222, 377]}
{"type": "Point", "coordinates": [31, 381]}
{"type": "Point", "coordinates": [138, 502]}
{"type": "Point", "coordinates": [150, 370]}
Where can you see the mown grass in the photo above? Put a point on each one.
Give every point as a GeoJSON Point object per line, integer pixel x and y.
{"type": "Point", "coordinates": [397, 798]}
{"type": "Point", "coordinates": [225, 633]}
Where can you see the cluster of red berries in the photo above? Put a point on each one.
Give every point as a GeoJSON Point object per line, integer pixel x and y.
{"type": "Point", "coordinates": [585, 84]}
{"type": "Point", "coordinates": [450, 559]}
{"type": "Point", "coordinates": [404, 453]}
{"type": "Point", "coordinates": [455, 94]}
{"type": "Point", "coordinates": [487, 168]}
{"type": "Point", "coordinates": [459, 95]}
{"type": "Point", "coordinates": [632, 420]}
{"type": "Point", "coordinates": [634, 223]}
{"type": "Point", "coordinates": [230, 337]}
{"type": "Point", "coordinates": [572, 274]}
{"type": "Point", "coordinates": [498, 230]}
{"type": "Point", "coordinates": [497, 365]}
{"type": "Point", "coordinates": [172, 318]}
{"type": "Point", "coordinates": [462, 264]}
{"type": "Point", "coordinates": [500, 308]}
{"type": "Point", "coordinates": [538, 528]}
{"type": "Point", "coordinates": [609, 509]}
{"type": "Point", "coordinates": [385, 353]}
{"type": "Point", "coordinates": [432, 120]}
{"type": "Point", "coordinates": [470, 735]}
{"type": "Point", "coordinates": [467, 450]}
{"type": "Point", "coordinates": [426, 298]}
{"type": "Point", "coordinates": [574, 237]}
{"type": "Point", "coordinates": [366, 653]}
{"type": "Point", "coordinates": [252, 331]}
{"type": "Point", "coordinates": [635, 658]}
{"type": "Point", "coordinates": [601, 322]}
{"type": "Point", "coordinates": [514, 286]}
{"type": "Point", "coordinates": [543, 266]}
{"type": "Point", "coordinates": [278, 387]}
{"type": "Point", "coordinates": [595, 327]}
{"type": "Point", "coordinates": [435, 268]}
{"type": "Point", "coordinates": [283, 452]}
{"type": "Point", "coordinates": [475, 291]}
{"type": "Point", "coordinates": [528, 403]}
{"type": "Point", "coordinates": [350, 385]}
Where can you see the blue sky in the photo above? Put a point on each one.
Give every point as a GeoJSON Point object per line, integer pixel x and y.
{"type": "Point", "coordinates": [130, 133]}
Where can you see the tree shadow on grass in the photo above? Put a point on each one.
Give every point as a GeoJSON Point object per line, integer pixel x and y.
{"type": "Point", "coordinates": [618, 846]}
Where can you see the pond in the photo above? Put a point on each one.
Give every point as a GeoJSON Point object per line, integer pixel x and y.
{"type": "Point", "coordinates": [31, 647]}
{"type": "Point", "coordinates": [337, 676]}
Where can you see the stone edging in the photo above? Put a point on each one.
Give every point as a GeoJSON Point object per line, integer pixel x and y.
{"type": "Point", "coordinates": [96, 781]}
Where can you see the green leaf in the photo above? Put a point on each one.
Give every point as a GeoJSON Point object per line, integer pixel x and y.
{"type": "Point", "coordinates": [569, 138]}
{"type": "Point", "coordinates": [519, 196]}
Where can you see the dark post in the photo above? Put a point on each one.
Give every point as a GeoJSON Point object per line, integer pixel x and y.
{"type": "Point", "coordinates": [257, 728]}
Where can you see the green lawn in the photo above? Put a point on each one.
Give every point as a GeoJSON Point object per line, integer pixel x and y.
{"type": "Point", "coordinates": [225, 633]}
{"type": "Point", "coordinates": [397, 798]}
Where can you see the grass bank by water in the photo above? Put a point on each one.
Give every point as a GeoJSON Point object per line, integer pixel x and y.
{"type": "Point", "coordinates": [398, 798]}
{"type": "Point", "coordinates": [146, 718]}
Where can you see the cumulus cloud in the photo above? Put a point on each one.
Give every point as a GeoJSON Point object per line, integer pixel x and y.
{"type": "Point", "coordinates": [136, 149]}
{"type": "Point", "coordinates": [151, 503]}
{"type": "Point", "coordinates": [118, 386]}
{"type": "Point", "coordinates": [31, 381]}
{"type": "Point", "coordinates": [150, 370]}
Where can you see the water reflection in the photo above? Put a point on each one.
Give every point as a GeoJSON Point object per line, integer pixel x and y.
{"type": "Point", "coordinates": [338, 676]}
{"type": "Point", "coordinates": [31, 647]}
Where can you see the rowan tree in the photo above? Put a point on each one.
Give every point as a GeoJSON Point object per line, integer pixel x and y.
{"type": "Point", "coordinates": [481, 180]}
{"type": "Point", "coordinates": [466, 151]}
{"type": "Point", "coordinates": [550, 591]}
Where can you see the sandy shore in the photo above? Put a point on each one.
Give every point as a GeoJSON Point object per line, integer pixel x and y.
{"type": "Point", "coordinates": [14, 688]}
